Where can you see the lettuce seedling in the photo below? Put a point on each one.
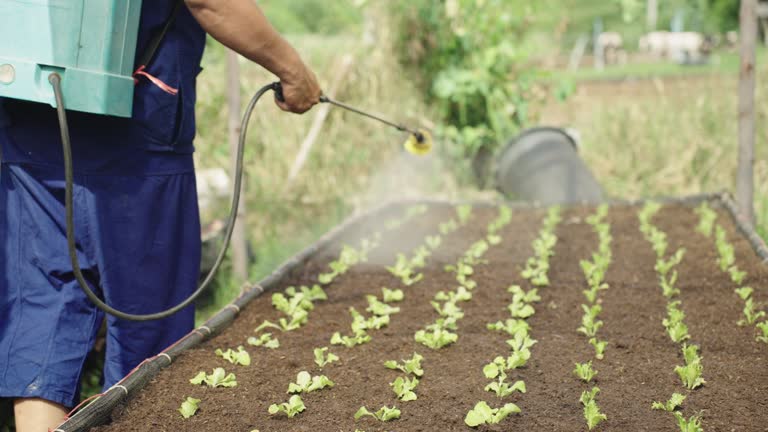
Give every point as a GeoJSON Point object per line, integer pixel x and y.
{"type": "Point", "coordinates": [350, 341]}
{"type": "Point", "coordinates": [412, 366]}
{"type": "Point", "coordinates": [379, 308]}
{"type": "Point", "coordinates": [240, 356]}
{"type": "Point", "coordinates": [659, 242]}
{"type": "Point", "coordinates": [668, 285]}
{"type": "Point", "coordinates": [504, 217]}
{"type": "Point", "coordinates": [599, 347]}
{"type": "Point", "coordinates": [460, 295]}
{"type": "Point", "coordinates": [493, 239]}
{"type": "Point", "coordinates": [690, 374]}
{"type": "Point", "coordinates": [521, 342]}
{"type": "Point", "coordinates": [737, 276]}
{"type": "Point", "coordinates": [448, 227]}
{"type": "Point", "coordinates": [392, 296]}
{"type": "Point", "coordinates": [289, 307]}
{"type": "Point", "coordinates": [291, 408]}
{"type": "Point", "coordinates": [316, 293]}
{"type": "Point", "coordinates": [298, 319]}
{"type": "Point", "coordinates": [433, 242]}
{"type": "Point", "coordinates": [750, 315]}
{"type": "Point", "coordinates": [447, 309]}
{"type": "Point", "coordinates": [306, 383]}
{"type": "Point", "coordinates": [744, 292]}
{"type": "Point", "coordinates": [707, 218]}
{"type": "Point", "coordinates": [664, 266]}
{"type": "Point", "coordinates": [518, 359]}
{"type": "Point", "coordinates": [402, 269]}
{"type": "Point", "coordinates": [495, 370]}
{"type": "Point", "coordinates": [518, 309]}
{"type": "Point", "coordinates": [383, 414]}
{"type": "Point", "coordinates": [672, 404]}
{"type": "Point", "coordinates": [510, 326]}
{"type": "Point", "coordinates": [591, 411]}
{"type": "Point", "coordinates": [677, 331]}
{"type": "Point", "coordinates": [589, 322]}
{"type": "Point", "coordinates": [464, 212]}
{"type": "Point", "coordinates": [483, 414]}
{"type": "Point", "coordinates": [763, 327]}
{"type": "Point", "coordinates": [592, 293]}
{"type": "Point", "coordinates": [218, 378]}
{"type": "Point", "coordinates": [323, 357]}
{"type": "Point", "coordinates": [592, 415]}
{"type": "Point", "coordinates": [189, 407]}
{"type": "Point", "coordinates": [519, 294]}
{"type": "Point", "coordinates": [585, 371]}
{"type": "Point", "coordinates": [691, 353]}
{"type": "Point", "coordinates": [436, 338]}
{"type": "Point", "coordinates": [403, 388]}
{"type": "Point", "coordinates": [692, 424]}
{"type": "Point", "coordinates": [264, 340]}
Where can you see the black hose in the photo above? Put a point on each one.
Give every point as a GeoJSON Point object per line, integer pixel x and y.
{"type": "Point", "coordinates": [55, 80]}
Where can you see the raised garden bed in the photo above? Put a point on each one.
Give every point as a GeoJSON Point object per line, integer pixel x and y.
{"type": "Point", "coordinates": [638, 366]}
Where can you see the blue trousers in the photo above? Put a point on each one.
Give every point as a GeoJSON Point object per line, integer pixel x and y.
{"type": "Point", "coordinates": [138, 240]}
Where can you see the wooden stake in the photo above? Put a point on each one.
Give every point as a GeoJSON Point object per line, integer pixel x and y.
{"type": "Point", "coordinates": [747, 84]}
{"type": "Point", "coordinates": [239, 242]}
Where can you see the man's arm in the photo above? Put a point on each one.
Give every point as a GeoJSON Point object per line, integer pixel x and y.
{"type": "Point", "coordinates": [241, 25]}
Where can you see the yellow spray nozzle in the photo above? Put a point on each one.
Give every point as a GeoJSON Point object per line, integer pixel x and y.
{"type": "Point", "coordinates": [419, 143]}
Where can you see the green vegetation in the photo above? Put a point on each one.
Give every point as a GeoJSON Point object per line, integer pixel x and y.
{"type": "Point", "coordinates": [189, 407]}
{"type": "Point", "coordinates": [306, 383]}
{"type": "Point", "coordinates": [592, 413]}
{"type": "Point", "coordinates": [482, 414]}
{"type": "Point", "coordinates": [383, 414]}
{"type": "Point", "coordinates": [672, 404]}
{"type": "Point", "coordinates": [411, 366]}
{"type": "Point", "coordinates": [240, 356]}
{"type": "Point", "coordinates": [291, 408]}
{"type": "Point", "coordinates": [218, 378]}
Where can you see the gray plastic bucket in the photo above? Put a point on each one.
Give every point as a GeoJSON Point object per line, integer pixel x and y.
{"type": "Point", "coordinates": [542, 165]}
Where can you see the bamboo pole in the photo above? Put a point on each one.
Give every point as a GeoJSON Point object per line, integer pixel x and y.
{"type": "Point", "coordinates": [239, 242]}
{"type": "Point", "coordinates": [747, 84]}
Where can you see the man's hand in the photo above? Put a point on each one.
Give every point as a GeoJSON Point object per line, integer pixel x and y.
{"type": "Point", "coordinates": [300, 91]}
{"type": "Point", "coordinates": [240, 25]}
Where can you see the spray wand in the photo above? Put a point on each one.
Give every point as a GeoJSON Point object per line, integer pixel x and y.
{"type": "Point", "coordinates": [419, 141]}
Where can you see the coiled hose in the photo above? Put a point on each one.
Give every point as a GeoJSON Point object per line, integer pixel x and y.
{"type": "Point", "coordinates": [55, 80]}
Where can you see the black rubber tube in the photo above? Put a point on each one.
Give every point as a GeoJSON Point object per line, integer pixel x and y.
{"type": "Point", "coordinates": [55, 80]}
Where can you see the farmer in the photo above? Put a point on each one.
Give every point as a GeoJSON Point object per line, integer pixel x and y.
{"type": "Point", "coordinates": [137, 222]}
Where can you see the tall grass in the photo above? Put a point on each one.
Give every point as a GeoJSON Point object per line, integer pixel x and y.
{"type": "Point", "coordinates": [668, 137]}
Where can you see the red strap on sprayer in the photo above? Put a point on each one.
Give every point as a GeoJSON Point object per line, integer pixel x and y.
{"type": "Point", "coordinates": [141, 71]}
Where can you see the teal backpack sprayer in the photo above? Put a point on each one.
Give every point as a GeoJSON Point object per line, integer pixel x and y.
{"type": "Point", "coordinates": [79, 55]}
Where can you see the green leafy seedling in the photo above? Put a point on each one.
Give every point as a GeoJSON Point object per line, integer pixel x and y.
{"type": "Point", "coordinates": [392, 295]}
{"type": "Point", "coordinates": [436, 338]}
{"type": "Point", "coordinates": [510, 326]}
{"type": "Point", "coordinates": [265, 340]}
{"type": "Point", "coordinates": [692, 424]}
{"type": "Point", "coordinates": [690, 374]}
{"type": "Point", "coordinates": [291, 408]}
{"type": "Point", "coordinates": [464, 212]}
{"type": "Point", "coordinates": [763, 327]}
{"type": "Point", "coordinates": [323, 357]}
{"type": "Point", "coordinates": [412, 366]}
{"type": "Point", "coordinates": [379, 308]}
{"type": "Point", "coordinates": [350, 341]}
{"type": "Point", "coordinates": [592, 413]}
{"type": "Point", "coordinates": [218, 378]}
{"type": "Point", "coordinates": [383, 414]}
{"type": "Point", "coordinates": [240, 356]}
{"type": "Point", "coordinates": [482, 414]}
{"type": "Point", "coordinates": [744, 293]}
{"type": "Point", "coordinates": [518, 359]}
{"type": "Point", "coordinates": [599, 347]}
{"type": "Point", "coordinates": [750, 315]}
{"type": "Point", "coordinates": [403, 388]}
{"type": "Point", "coordinates": [675, 402]}
{"type": "Point", "coordinates": [521, 342]}
{"type": "Point", "coordinates": [737, 276]}
{"type": "Point", "coordinates": [585, 371]}
{"type": "Point", "coordinates": [306, 383]}
{"type": "Point", "coordinates": [189, 407]}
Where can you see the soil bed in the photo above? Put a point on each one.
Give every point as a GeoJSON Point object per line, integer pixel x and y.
{"type": "Point", "coordinates": [638, 367]}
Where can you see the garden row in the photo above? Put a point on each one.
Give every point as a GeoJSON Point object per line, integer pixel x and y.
{"type": "Point", "coordinates": [451, 318]}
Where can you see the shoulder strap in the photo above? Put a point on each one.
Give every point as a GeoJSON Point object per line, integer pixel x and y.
{"type": "Point", "coordinates": [157, 39]}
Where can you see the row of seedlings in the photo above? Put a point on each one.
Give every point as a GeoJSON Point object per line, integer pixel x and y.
{"type": "Point", "coordinates": [520, 309]}
{"type": "Point", "coordinates": [408, 271]}
{"type": "Point", "coordinates": [441, 333]}
{"type": "Point", "coordinates": [691, 373]}
{"type": "Point", "coordinates": [727, 262]}
{"type": "Point", "coordinates": [594, 273]}
{"type": "Point", "coordinates": [295, 304]}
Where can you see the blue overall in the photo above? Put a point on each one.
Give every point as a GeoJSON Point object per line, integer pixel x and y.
{"type": "Point", "coordinates": [136, 220]}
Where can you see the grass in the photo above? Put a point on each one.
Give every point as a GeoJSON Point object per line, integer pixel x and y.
{"type": "Point", "coordinates": [666, 136]}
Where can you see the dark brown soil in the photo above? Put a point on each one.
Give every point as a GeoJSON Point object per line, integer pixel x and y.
{"type": "Point", "coordinates": [638, 367]}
